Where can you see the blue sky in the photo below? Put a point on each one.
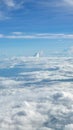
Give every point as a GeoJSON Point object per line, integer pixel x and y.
{"type": "Point", "coordinates": [28, 26]}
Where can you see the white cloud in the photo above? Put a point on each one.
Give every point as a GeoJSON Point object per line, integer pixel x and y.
{"type": "Point", "coordinates": [3, 16]}
{"type": "Point", "coordinates": [69, 2]}
{"type": "Point", "coordinates": [46, 104]}
{"type": "Point", "coordinates": [7, 6]}
{"type": "Point", "coordinates": [15, 4]}
{"type": "Point", "coordinates": [69, 127]}
{"type": "Point", "coordinates": [17, 33]}
{"type": "Point", "coordinates": [9, 3]}
{"type": "Point", "coordinates": [21, 35]}
{"type": "Point", "coordinates": [70, 50]}
{"type": "Point", "coordinates": [1, 35]}
{"type": "Point", "coordinates": [55, 4]}
{"type": "Point", "coordinates": [4, 82]}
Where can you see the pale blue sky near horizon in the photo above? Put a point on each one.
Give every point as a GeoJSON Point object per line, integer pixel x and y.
{"type": "Point", "coordinates": [28, 26]}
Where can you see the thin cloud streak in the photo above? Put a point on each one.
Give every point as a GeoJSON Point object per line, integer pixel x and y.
{"type": "Point", "coordinates": [20, 35]}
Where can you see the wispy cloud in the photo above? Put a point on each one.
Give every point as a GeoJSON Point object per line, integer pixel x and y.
{"type": "Point", "coordinates": [10, 5]}
{"type": "Point", "coordinates": [69, 2]}
{"type": "Point", "coordinates": [21, 35]}
{"type": "Point", "coordinates": [56, 3]}
{"type": "Point", "coordinates": [3, 16]}
{"type": "Point", "coordinates": [17, 33]}
{"type": "Point", "coordinates": [15, 4]}
{"type": "Point", "coordinates": [1, 36]}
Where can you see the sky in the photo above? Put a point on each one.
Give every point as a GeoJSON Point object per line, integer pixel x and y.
{"type": "Point", "coordinates": [28, 26]}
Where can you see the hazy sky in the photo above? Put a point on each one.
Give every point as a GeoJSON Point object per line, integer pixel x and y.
{"type": "Point", "coordinates": [27, 26]}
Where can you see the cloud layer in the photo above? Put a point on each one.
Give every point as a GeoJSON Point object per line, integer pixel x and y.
{"type": "Point", "coordinates": [36, 93]}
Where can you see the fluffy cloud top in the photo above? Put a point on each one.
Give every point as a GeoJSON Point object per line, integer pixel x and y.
{"type": "Point", "coordinates": [36, 93]}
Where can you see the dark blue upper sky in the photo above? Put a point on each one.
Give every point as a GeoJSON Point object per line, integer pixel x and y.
{"type": "Point", "coordinates": [27, 26]}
